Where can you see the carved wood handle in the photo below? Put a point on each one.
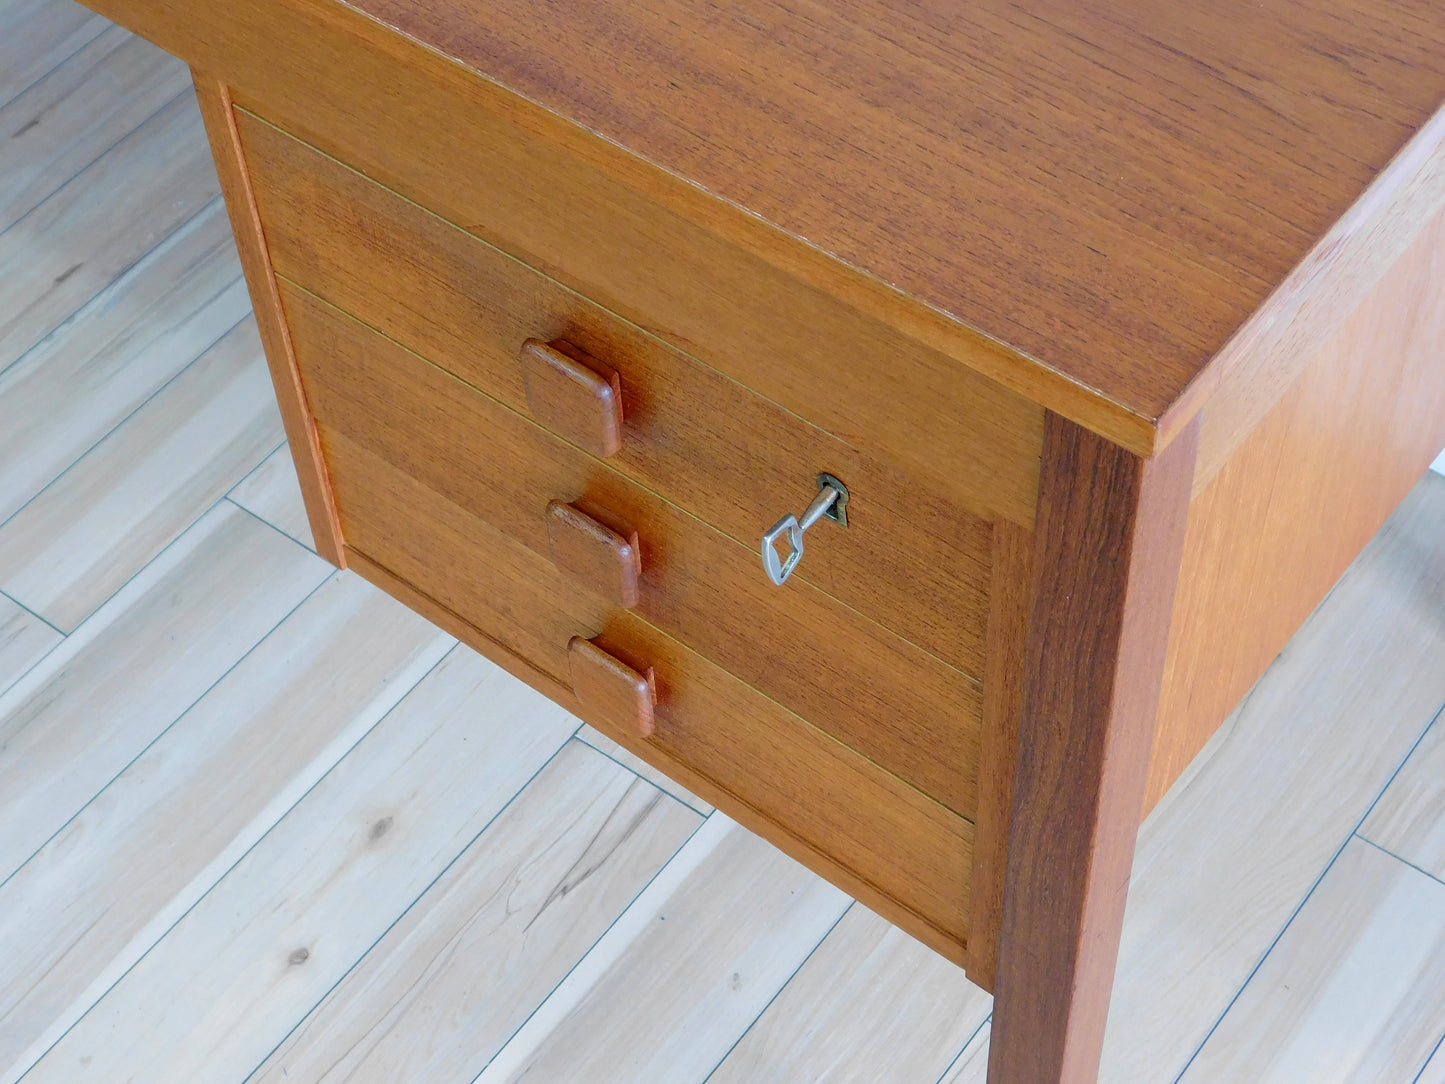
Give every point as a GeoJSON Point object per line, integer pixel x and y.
{"type": "Point", "coordinates": [601, 551]}
{"type": "Point", "coordinates": [613, 690]}
{"type": "Point", "coordinates": [575, 395]}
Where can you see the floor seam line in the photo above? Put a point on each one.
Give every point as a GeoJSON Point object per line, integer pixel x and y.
{"type": "Point", "coordinates": [239, 859]}
{"type": "Point", "coordinates": [988, 1018]}
{"type": "Point", "coordinates": [238, 506]}
{"type": "Point", "coordinates": [33, 614]}
{"type": "Point", "coordinates": [639, 775]}
{"type": "Point", "coordinates": [1308, 895]}
{"type": "Point", "coordinates": [113, 429]}
{"type": "Point", "coordinates": [100, 154]}
{"type": "Point", "coordinates": [90, 165]}
{"type": "Point", "coordinates": [122, 273]}
{"type": "Point", "coordinates": [419, 896]}
{"type": "Point", "coordinates": [1439, 1045]}
{"type": "Point", "coordinates": [164, 731]}
{"type": "Point", "coordinates": [590, 948]}
{"type": "Point", "coordinates": [52, 70]}
{"type": "Point", "coordinates": [242, 480]}
{"type": "Point", "coordinates": [1399, 858]}
{"type": "Point", "coordinates": [779, 991]}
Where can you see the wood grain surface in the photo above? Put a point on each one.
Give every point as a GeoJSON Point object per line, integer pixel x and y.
{"type": "Point", "coordinates": [772, 913]}
{"type": "Point", "coordinates": [1406, 821]}
{"type": "Point", "coordinates": [101, 223]}
{"type": "Point", "coordinates": [210, 786]}
{"type": "Point", "coordinates": [220, 118]}
{"type": "Point", "coordinates": [1150, 172]}
{"type": "Point", "coordinates": [807, 787]}
{"type": "Point", "coordinates": [631, 761]}
{"type": "Point", "coordinates": [971, 1067]}
{"type": "Point", "coordinates": [1297, 767]}
{"type": "Point", "coordinates": [700, 439]}
{"type": "Point", "coordinates": [1434, 1071]}
{"type": "Point", "coordinates": [82, 714]}
{"type": "Point", "coordinates": [437, 997]}
{"type": "Point", "coordinates": [24, 639]}
{"type": "Point", "coordinates": [1301, 318]}
{"type": "Point", "coordinates": [602, 552]}
{"type": "Point", "coordinates": [1367, 947]}
{"type": "Point", "coordinates": [869, 1004]}
{"type": "Point", "coordinates": [93, 528]}
{"type": "Point", "coordinates": [1271, 532]}
{"type": "Point", "coordinates": [1010, 603]}
{"type": "Point", "coordinates": [306, 903]}
{"type": "Point", "coordinates": [121, 78]}
{"type": "Point", "coordinates": [273, 493]}
{"type": "Point", "coordinates": [612, 690]}
{"type": "Point", "coordinates": [765, 824]}
{"type": "Point", "coordinates": [660, 255]}
{"type": "Point", "coordinates": [1110, 191]}
{"type": "Point", "coordinates": [1106, 555]}
{"type": "Point", "coordinates": [901, 707]}
{"type": "Point", "coordinates": [37, 35]}
{"type": "Point", "coordinates": [573, 394]}
{"type": "Point", "coordinates": [123, 346]}
{"type": "Point", "coordinates": [1295, 770]}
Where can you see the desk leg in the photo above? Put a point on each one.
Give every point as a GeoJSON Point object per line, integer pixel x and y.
{"type": "Point", "coordinates": [218, 112]}
{"type": "Point", "coordinates": [1107, 547]}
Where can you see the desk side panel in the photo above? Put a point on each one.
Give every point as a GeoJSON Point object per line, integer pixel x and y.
{"type": "Point", "coordinates": [1278, 524]}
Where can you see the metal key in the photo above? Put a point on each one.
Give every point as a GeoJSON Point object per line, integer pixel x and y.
{"type": "Point", "coordinates": [831, 501]}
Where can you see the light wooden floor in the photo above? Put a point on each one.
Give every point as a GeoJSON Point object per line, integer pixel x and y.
{"type": "Point", "coordinates": [262, 823]}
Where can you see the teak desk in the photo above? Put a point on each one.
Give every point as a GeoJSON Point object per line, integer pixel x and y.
{"type": "Point", "coordinates": [1113, 328]}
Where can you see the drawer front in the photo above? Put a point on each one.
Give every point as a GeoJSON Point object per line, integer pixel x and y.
{"type": "Point", "coordinates": [898, 705]}
{"type": "Point", "coordinates": [839, 805]}
{"type": "Point", "coordinates": [911, 559]}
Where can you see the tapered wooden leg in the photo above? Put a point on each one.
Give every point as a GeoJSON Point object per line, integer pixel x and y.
{"type": "Point", "coordinates": [217, 111]}
{"type": "Point", "coordinates": [1107, 546]}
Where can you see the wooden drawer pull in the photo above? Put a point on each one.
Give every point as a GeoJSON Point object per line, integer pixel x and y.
{"type": "Point", "coordinates": [574, 395]}
{"type": "Point", "coordinates": [618, 694]}
{"type": "Point", "coordinates": [600, 551]}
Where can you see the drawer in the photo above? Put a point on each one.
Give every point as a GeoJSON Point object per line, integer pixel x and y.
{"type": "Point", "coordinates": [896, 704]}
{"type": "Point", "coordinates": [876, 386]}
{"type": "Point", "coordinates": [806, 788]}
{"type": "Point", "coordinates": [912, 559]}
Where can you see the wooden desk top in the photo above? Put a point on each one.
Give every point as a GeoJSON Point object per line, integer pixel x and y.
{"type": "Point", "coordinates": [1111, 188]}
